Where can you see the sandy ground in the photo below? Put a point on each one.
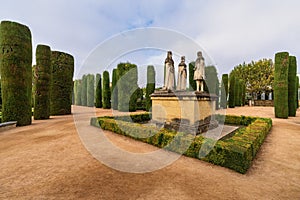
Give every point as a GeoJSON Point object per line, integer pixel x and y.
{"type": "Point", "coordinates": [48, 161]}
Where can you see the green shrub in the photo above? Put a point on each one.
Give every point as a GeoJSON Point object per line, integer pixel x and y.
{"type": "Point", "coordinates": [106, 91]}
{"type": "Point", "coordinates": [77, 92]}
{"type": "Point", "coordinates": [192, 82]}
{"type": "Point", "coordinates": [231, 100]}
{"type": "Point", "coordinates": [90, 90]}
{"type": "Point", "coordinates": [98, 100]}
{"type": "Point", "coordinates": [127, 86]}
{"type": "Point", "coordinates": [292, 86]}
{"type": "Point", "coordinates": [16, 72]}
{"type": "Point", "coordinates": [62, 83]}
{"type": "Point", "coordinates": [235, 153]}
{"type": "Point", "coordinates": [281, 85]}
{"type": "Point", "coordinates": [84, 90]}
{"type": "Point", "coordinates": [150, 87]}
{"type": "Point", "coordinates": [114, 88]}
{"type": "Point", "coordinates": [224, 91]}
{"type": "Point", "coordinates": [42, 82]}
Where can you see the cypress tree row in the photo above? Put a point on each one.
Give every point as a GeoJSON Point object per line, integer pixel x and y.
{"type": "Point", "coordinates": [231, 100]}
{"type": "Point", "coordinates": [84, 90]}
{"type": "Point", "coordinates": [224, 91]}
{"type": "Point", "coordinates": [292, 86]}
{"type": "Point", "coordinates": [297, 97]}
{"type": "Point", "coordinates": [192, 82]}
{"type": "Point", "coordinates": [237, 92]}
{"type": "Point", "coordinates": [114, 97]}
{"type": "Point", "coordinates": [90, 90]}
{"type": "Point", "coordinates": [127, 86]}
{"type": "Point", "coordinates": [42, 82]}
{"type": "Point", "coordinates": [106, 91]}
{"type": "Point", "coordinates": [150, 87]}
{"type": "Point", "coordinates": [16, 72]}
{"type": "Point", "coordinates": [77, 91]}
{"type": "Point", "coordinates": [281, 85]}
{"type": "Point", "coordinates": [62, 83]}
{"type": "Point", "coordinates": [98, 100]}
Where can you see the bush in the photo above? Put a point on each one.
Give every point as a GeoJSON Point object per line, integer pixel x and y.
{"type": "Point", "coordinates": [231, 100]}
{"type": "Point", "coordinates": [62, 83]}
{"type": "Point", "coordinates": [114, 88]}
{"type": "Point", "coordinates": [16, 72]}
{"type": "Point", "coordinates": [106, 91]}
{"type": "Point", "coordinates": [150, 87]}
{"type": "Point", "coordinates": [192, 82]}
{"type": "Point", "coordinates": [292, 86]}
{"type": "Point", "coordinates": [127, 86]}
{"type": "Point", "coordinates": [42, 82]}
{"type": "Point", "coordinates": [98, 100]}
{"type": "Point", "coordinates": [281, 85]}
{"type": "Point", "coordinates": [224, 91]}
{"type": "Point", "coordinates": [90, 90]}
{"type": "Point", "coordinates": [235, 153]}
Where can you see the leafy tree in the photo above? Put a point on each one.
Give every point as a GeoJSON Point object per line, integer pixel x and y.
{"type": "Point", "coordinates": [224, 91]}
{"type": "Point", "coordinates": [77, 91]}
{"type": "Point", "coordinates": [192, 82]}
{"type": "Point", "coordinates": [98, 98]}
{"type": "Point", "coordinates": [84, 90]}
{"type": "Point", "coordinates": [106, 91]}
{"type": "Point", "coordinates": [231, 100]}
{"type": "Point", "coordinates": [90, 90]}
{"type": "Point", "coordinates": [114, 88]}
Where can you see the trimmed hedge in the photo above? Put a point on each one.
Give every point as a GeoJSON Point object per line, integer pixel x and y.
{"type": "Point", "coordinates": [281, 85]}
{"type": "Point", "coordinates": [231, 100]}
{"type": "Point", "coordinates": [224, 91]}
{"type": "Point", "coordinates": [16, 72]}
{"type": "Point", "coordinates": [192, 82]}
{"type": "Point", "coordinates": [106, 91]}
{"type": "Point", "coordinates": [127, 86]}
{"type": "Point", "coordinates": [62, 83]}
{"type": "Point", "coordinates": [114, 88]}
{"type": "Point", "coordinates": [98, 98]}
{"type": "Point", "coordinates": [150, 87]}
{"type": "Point", "coordinates": [235, 153]}
{"type": "Point", "coordinates": [292, 86]}
{"type": "Point", "coordinates": [42, 82]}
{"type": "Point", "coordinates": [90, 90]}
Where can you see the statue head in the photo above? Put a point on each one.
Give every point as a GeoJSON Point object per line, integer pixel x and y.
{"type": "Point", "coordinates": [182, 58]}
{"type": "Point", "coordinates": [199, 54]}
{"type": "Point", "coordinates": [169, 55]}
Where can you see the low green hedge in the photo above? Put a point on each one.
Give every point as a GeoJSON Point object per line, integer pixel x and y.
{"type": "Point", "coordinates": [236, 152]}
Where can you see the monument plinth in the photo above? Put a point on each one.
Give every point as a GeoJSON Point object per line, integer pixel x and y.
{"type": "Point", "coordinates": [186, 110]}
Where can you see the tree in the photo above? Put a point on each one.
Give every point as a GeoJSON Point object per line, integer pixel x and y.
{"type": "Point", "coordinates": [192, 82]}
{"type": "Point", "coordinates": [224, 90]}
{"type": "Point", "coordinates": [231, 101]}
{"type": "Point", "coordinates": [98, 99]}
{"type": "Point", "coordinates": [114, 98]}
{"type": "Point", "coordinates": [77, 91]}
{"type": "Point", "coordinates": [297, 87]}
{"type": "Point", "coordinates": [42, 82]}
{"type": "Point", "coordinates": [16, 72]}
{"type": "Point", "coordinates": [150, 87]}
{"type": "Point", "coordinates": [292, 86]}
{"type": "Point", "coordinates": [127, 86]}
{"type": "Point", "coordinates": [62, 65]}
{"type": "Point", "coordinates": [90, 90]}
{"type": "Point", "coordinates": [106, 91]}
{"type": "Point", "coordinates": [84, 90]}
{"type": "Point", "coordinates": [281, 85]}
{"type": "Point", "coordinates": [211, 79]}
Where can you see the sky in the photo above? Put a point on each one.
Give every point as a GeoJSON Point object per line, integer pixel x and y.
{"type": "Point", "coordinates": [228, 32]}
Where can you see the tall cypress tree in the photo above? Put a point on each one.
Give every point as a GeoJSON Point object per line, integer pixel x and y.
{"type": "Point", "coordinates": [42, 82]}
{"type": "Point", "coordinates": [297, 96]}
{"type": "Point", "coordinates": [62, 65]}
{"type": "Point", "coordinates": [84, 90]}
{"type": "Point", "coordinates": [90, 90]}
{"type": "Point", "coordinates": [114, 88]}
{"type": "Point", "coordinates": [281, 85]}
{"type": "Point", "coordinates": [237, 92]}
{"type": "Point", "coordinates": [77, 92]}
{"type": "Point", "coordinates": [16, 72]}
{"type": "Point", "coordinates": [231, 100]}
{"type": "Point", "coordinates": [98, 99]}
{"type": "Point", "coordinates": [292, 86]}
{"type": "Point", "coordinates": [192, 82]}
{"type": "Point", "coordinates": [224, 90]}
{"type": "Point", "coordinates": [150, 87]}
{"type": "Point", "coordinates": [106, 91]}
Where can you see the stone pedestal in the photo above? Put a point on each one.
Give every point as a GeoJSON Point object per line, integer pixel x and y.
{"type": "Point", "coordinates": [189, 110]}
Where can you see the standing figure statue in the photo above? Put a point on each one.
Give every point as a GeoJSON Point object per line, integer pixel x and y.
{"type": "Point", "coordinates": [182, 75]}
{"type": "Point", "coordinates": [199, 74]}
{"type": "Point", "coordinates": [170, 73]}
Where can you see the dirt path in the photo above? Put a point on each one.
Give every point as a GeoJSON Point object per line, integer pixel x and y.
{"type": "Point", "coordinates": [48, 161]}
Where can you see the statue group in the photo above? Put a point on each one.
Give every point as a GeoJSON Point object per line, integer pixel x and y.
{"type": "Point", "coordinates": [199, 73]}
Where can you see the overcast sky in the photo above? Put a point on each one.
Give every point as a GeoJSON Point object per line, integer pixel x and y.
{"type": "Point", "coordinates": [230, 32]}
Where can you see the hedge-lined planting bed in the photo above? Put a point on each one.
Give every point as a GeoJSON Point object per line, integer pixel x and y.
{"type": "Point", "coordinates": [236, 152]}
